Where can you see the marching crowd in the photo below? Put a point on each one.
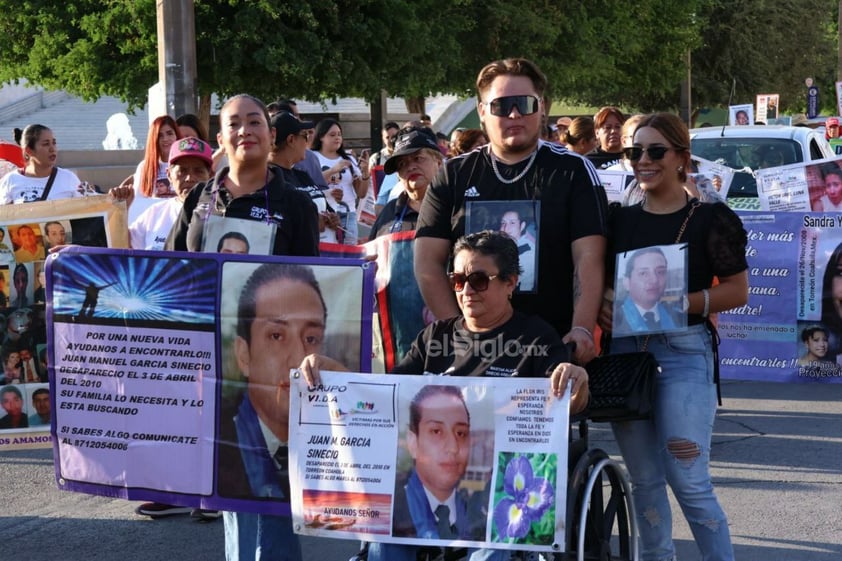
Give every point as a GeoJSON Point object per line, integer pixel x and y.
{"type": "Point", "coordinates": [513, 235]}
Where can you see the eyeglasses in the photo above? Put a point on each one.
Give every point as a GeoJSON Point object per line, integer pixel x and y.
{"type": "Point", "coordinates": [502, 106]}
{"type": "Point", "coordinates": [478, 280]}
{"type": "Point", "coordinates": [305, 134]}
{"type": "Point", "coordinates": [634, 153]}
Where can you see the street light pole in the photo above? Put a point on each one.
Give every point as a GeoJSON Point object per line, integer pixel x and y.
{"type": "Point", "coordinates": [177, 55]}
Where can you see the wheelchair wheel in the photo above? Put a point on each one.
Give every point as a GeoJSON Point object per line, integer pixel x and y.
{"type": "Point", "coordinates": [601, 524]}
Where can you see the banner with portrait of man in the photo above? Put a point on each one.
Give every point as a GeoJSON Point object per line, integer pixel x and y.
{"type": "Point", "coordinates": [480, 462]}
{"type": "Point", "coordinates": [162, 365]}
{"type": "Point", "coordinates": [27, 233]}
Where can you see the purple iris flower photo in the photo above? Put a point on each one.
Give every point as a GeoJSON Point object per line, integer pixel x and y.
{"type": "Point", "coordinates": [528, 498]}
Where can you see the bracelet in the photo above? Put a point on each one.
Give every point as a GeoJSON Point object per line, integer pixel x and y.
{"type": "Point", "coordinates": [706, 309]}
{"type": "Point", "coordinates": [585, 329]}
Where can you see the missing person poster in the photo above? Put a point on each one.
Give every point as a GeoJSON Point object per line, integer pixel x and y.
{"type": "Point", "coordinates": [27, 233]}
{"type": "Point", "coordinates": [791, 328]}
{"type": "Point", "coordinates": [154, 355]}
{"type": "Point", "coordinates": [480, 462]}
{"type": "Point", "coordinates": [815, 187]}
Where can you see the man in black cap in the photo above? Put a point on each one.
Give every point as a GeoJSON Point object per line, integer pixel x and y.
{"type": "Point", "coordinates": [417, 160]}
{"type": "Point", "coordinates": [389, 134]}
{"type": "Point", "coordinates": [310, 163]}
{"type": "Point", "coordinates": [292, 136]}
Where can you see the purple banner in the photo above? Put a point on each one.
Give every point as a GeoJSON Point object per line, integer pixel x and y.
{"type": "Point", "coordinates": [160, 364]}
{"type": "Point", "coordinates": [791, 328]}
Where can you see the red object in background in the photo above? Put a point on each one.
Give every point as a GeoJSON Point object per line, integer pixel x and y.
{"type": "Point", "coordinates": [11, 152]}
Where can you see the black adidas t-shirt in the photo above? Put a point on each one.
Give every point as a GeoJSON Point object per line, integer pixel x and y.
{"type": "Point", "coordinates": [523, 346]}
{"type": "Point", "coordinates": [572, 206]}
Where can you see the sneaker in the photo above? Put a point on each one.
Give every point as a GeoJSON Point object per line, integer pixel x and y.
{"type": "Point", "coordinates": [160, 510]}
{"type": "Point", "coordinates": [204, 515]}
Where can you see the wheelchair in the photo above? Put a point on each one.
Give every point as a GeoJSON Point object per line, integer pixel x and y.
{"type": "Point", "coordinates": [600, 517]}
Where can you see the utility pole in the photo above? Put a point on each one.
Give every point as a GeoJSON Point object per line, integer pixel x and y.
{"type": "Point", "coordinates": [177, 55]}
{"type": "Point", "coordinates": [685, 103]}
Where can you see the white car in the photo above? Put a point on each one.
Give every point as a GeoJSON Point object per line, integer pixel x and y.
{"type": "Point", "coordinates": [749, 148]}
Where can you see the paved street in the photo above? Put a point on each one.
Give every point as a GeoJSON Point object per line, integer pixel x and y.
{"type": "Point", "coordinates": [777, 466]}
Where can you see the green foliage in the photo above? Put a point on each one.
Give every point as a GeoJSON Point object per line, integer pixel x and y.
{"type": "Point", "coordinates": [599, 52]}
{"type": "Point", "coordinates": [766, 46]}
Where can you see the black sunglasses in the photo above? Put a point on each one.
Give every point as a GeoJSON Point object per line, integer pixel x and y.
{"type": "Point", "coordinates": [502, 106]}
{"type": "Point", "coordinates": [478, 280]}
{"type": "Point", "coordinates": [634, 153]}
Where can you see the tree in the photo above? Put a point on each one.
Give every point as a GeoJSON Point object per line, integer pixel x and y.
{"type": "Point", "coordinates": [766, 46]}
{"type": "Point", "coordinates": [598, 52]}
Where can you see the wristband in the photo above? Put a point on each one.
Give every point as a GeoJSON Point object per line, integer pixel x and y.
{"type": "Point", "coordinates": [585, 329]}
{"type": "Point", "coordinates": [706, 309]}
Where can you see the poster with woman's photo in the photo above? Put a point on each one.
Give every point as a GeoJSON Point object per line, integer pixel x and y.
{"type": "Point", "coordinates": [649, 290]}
{"type": "Point", "coordinates": [815, 358]}
{"type": "Point", "coordinates": [521, 221]}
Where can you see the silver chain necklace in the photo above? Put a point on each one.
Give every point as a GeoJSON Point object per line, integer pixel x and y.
{"type": "Point", "coordinates": [519, 176]}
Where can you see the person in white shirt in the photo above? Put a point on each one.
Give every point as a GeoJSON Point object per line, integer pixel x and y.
{"type": "Point", "coordinates": [190, 163]}
{"type": "Point", "coordinates": [150, 178]}
{"type": "Point", "coordinates": [40, 179]}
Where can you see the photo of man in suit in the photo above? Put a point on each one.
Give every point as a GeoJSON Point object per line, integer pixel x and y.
{"type": "Point", "coordinates": [428, 503]}
{"type": "Point", "coordinates": [645, 282]}
{"type": "Point", "coordinates": [281, 319]}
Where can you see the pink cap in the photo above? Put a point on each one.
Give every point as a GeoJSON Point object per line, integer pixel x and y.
{"type": "Point", "coordinates": [191, 147]}
{"type": "Point", "coordinates": [832, 122]}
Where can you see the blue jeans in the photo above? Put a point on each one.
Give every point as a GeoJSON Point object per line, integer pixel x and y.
{"type": "Point", "coordinates": [259, 537]}
{"type": "Point", "coordinates": [352, 229]}
{"type": "Point", "coordinates": [401, 552]}
{"type": "Point", "coordinates": [674, 447]}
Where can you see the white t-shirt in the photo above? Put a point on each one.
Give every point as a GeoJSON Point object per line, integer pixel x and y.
{"type": "Point", "coordinates": [162, 176]}
{"type": "Point", "coordinates": [151, 228]}
{"type": "Point", "coordinates": [18, 188]}
{"type": "Point", "coordinates": [346, 181]}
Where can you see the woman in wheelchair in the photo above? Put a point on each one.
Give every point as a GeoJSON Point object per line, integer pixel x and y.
{"type": "Point", "coordinates": [485, 274]}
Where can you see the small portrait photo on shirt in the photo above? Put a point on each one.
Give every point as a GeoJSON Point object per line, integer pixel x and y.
{"type": "Point", "coordinates": [28, 243]}
{"type": "Point", "coordinates": [236, 235]}
{"type": "Point", "coordinates": [650, 290]}
{"type": "Point", "coordinates": [444, 463]}
{"type": "Point", "coordinates": [520, 220]}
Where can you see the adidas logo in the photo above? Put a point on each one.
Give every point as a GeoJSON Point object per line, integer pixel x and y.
{"type": "Point", "coordinates": [472, 192]}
